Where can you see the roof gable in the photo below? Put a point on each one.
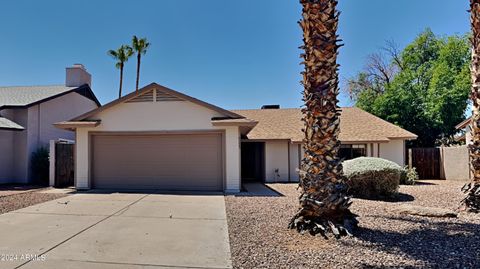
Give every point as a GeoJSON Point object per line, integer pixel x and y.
{"type": "Point", "coordinates": [157, 92]}
{"type": "Point", "coordinates": [24, 96]}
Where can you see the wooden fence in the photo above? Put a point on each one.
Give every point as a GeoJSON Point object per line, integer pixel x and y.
{"type": "Point", "coordinates": [64, 165]}
{"type": "Point", "coordinates": [426, 161]}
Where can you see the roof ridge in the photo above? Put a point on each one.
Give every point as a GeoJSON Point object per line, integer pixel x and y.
{"type": "Point", "coordinates": [273, 109]}
{"type": "Point", "coordinates": [286, 108]}
{"type": "Point", "coordinates": [33, 86]}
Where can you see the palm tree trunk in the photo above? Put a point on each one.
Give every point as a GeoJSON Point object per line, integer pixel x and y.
{"type": "Point", "coordinates": [472, 201]}
{"type": "Point", "coordinates": [323, 202]}
{"type": "Point", "coordinates": [121, 82]}
{"type": "Point", "coordinates": [138, 71]}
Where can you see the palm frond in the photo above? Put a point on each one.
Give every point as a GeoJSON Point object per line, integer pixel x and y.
{"type": "Point", "coordinates": [121, 54]}
{"type": "Point", "coordinates": [140, 45]}
{"type": "Point", "coordinates": [112, 53]}
{"type": "Point", "coordinates": [128, 50]}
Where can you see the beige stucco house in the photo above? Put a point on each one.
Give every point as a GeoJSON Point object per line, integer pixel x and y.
{"type": "Point", "coordinates": [159, 138]}
{"type": "Point", "coordinates": [27, 115]}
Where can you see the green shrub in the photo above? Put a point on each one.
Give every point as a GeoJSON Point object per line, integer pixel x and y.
{"type": "Point", "coordinates": [408, 176]}
{"type": "Point", "coordinates": [40, 166]}
{"type": "Point", "coordinates": [403, 176]}
{"type": "Point", "coordinates": [372, 177]}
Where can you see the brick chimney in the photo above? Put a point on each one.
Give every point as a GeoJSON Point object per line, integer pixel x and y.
{"type": "Point", "coordinates": [77, 75]}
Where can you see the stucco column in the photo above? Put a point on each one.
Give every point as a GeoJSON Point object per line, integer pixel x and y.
{"type": "Point", "coordinates": [232, 159]}
{"type": "Point", "coordinates": [82, 169]}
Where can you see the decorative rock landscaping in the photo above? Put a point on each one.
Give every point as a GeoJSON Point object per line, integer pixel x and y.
{"type": "Point", "coordinates": [259, 237]}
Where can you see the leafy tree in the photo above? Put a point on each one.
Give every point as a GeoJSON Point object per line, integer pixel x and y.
{"type": "Point", "coordinates": [140, 46]}
{"type": "Point", "coordinates": [427, 90]}
{"type": "Point", "coordinates": [121, 55]}
{"type": "Point", "coordinates": [324, 204]}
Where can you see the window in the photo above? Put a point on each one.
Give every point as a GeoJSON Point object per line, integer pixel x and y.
{"type": "Point", "coordinates": [349, 151]}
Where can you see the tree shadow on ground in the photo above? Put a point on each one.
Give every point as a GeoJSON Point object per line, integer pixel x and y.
{"type": "Point", "coordinates": [397, 198]}
{"type": "Point", "coordinates": [19, 187]}
{"type": "Point", "coordinates": [438, 243]}
{"type": "Point", "coordinates": [420, 183]}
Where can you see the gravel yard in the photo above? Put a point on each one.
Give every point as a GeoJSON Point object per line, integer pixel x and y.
{"type": "Point", "coordinates": [23, 199]}
{"type": "Point", "coordinates": [259, 236]}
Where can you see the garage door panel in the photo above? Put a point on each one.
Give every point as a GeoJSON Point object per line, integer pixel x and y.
{"type": "Point", "coordinates": [170, 162]}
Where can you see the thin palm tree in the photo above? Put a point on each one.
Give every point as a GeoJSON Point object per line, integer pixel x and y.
{"type": "Point", "coordinates": [121, 55]}
{"type": "Point", "coordinates": [472, 201]}
{"type": "Point", "coordinates": [140, 46]}
{"type": "Point", "coordinates": [324, 205]}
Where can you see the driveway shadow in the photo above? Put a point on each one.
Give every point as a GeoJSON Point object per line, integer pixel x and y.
{"type": "Point", "coordinates": [443, 244]}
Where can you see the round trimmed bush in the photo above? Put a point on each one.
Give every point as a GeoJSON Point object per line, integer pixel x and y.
{"type": "Point", "coordinates": [374, 178]}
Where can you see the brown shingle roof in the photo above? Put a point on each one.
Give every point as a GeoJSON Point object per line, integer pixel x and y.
{"type": "Point", "coordinates": [356, 125]}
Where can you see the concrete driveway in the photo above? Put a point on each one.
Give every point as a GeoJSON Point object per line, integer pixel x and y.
{"type": "Point", "coordinates": [95, 230]}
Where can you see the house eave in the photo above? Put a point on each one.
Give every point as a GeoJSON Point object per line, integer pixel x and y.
{"type": "Point", "coordinates": [11, 129]}
{"type": "Point", "coordinates": [463, 124]}
{"type": "Point", "coordinates": [236, 122]}
{"type": "Point", "coordinates": [72, 125]}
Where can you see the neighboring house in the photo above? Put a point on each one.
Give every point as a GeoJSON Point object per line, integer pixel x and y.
{"type": "Point", "coordinates": [27, 115]}
{"type": "Point", "coordinates": [159, 138]}
{"type": "Point", "coordinates": [464, 128]}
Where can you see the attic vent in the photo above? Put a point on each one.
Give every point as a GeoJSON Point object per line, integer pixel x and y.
{"type": "Point", "coordinates": [161, 96]}
{"type": "Point", "coordinates": [146, 97]}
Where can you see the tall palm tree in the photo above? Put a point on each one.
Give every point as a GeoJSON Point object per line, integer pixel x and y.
{"type": "Point", "coordinates": [121, 55]}
{"type": "Point", "coordinates": [324, 205]}
{"type": "Point", "coordinates": [472, 201]}
{"type": "Point", "coordinates": [140, 47]}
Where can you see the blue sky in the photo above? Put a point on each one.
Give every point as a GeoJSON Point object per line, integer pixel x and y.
{"type": "Point", "coordinates": [234, 54]}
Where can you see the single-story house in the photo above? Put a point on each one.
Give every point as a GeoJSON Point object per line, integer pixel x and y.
{"type": "Point", "coordinates": [158, 138]}
{"type": "Point", "coordinates": [27, 115]}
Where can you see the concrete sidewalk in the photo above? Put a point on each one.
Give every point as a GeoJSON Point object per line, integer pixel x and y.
{"type": "Point", "coordinates": [118, 231]}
